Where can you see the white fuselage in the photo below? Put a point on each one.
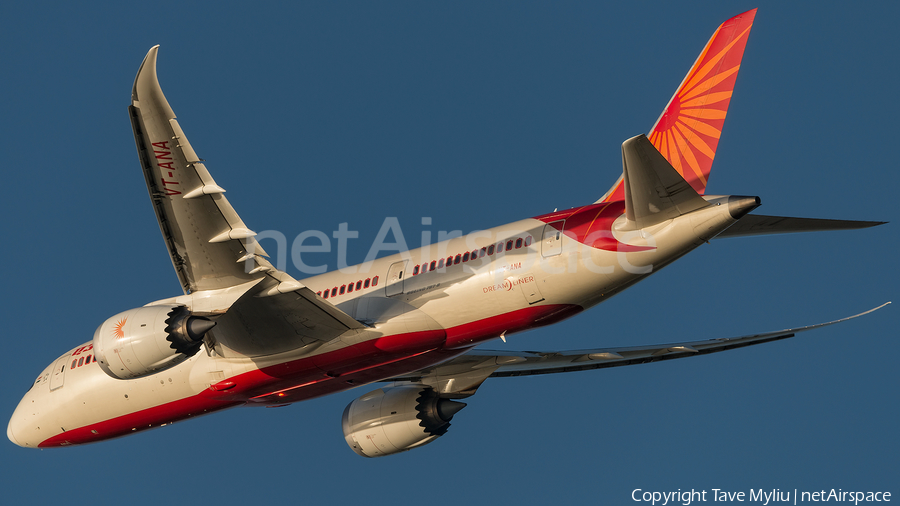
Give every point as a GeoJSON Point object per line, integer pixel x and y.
{"type": "Point", "coordinates": [415, 319]}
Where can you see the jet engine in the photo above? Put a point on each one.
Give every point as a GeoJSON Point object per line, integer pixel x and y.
{"type": "Point", "coordinates": [396, 419]}
{"type": "Point", "coordinates": [142, 341]}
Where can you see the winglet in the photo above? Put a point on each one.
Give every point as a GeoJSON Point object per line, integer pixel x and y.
{"type": "Point", "coordinates": [146, 86]}
{"type": "Point", "coordinates": [687, 133]}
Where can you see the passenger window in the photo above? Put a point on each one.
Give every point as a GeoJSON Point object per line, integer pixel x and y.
{"type": "Point", "coordinates": [350, 288]}
{"type": "Point", "coordinates": [80, 361]}
{"type": "Point", "coordinates": [88, 361]}
{"type": "Point", "coordinates": [490, 250]}
{"type": "Point", "coordinates": [518, 243]}
{"type": "Point", "coordinates": [319, 293]}
{"type": "Point", "coordinates": [343, 289]}
{"type": "Point", "coordinates": [416, 270]}
{"type": "Point", "coordinates": [375, 281]}
{"type": "Point", "coordinates": [334, 291]}
{"type": "Point", "coordinates": [327, 292]}
{"type": "Point", "coordinates": [359, 284]}
{"type": "Point", "coordinates": [466, 257]}
{"type": "Point", "coordinates": [509, 245]}
{"type": "Point", "coordinates": [433, 265]}
{"type": "Point", "coordinates": [367, 283]}
{"type": "Point", "coordinates": [528, 241]}
{"type": "Point", "coordinates": [73, 364]}
{"type": "Point", "coordinates": [441, 264]}
{"type": "Point", "coordinates": [457, 259]}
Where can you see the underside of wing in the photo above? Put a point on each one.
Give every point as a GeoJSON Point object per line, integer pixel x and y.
{"type": "Point", "coordinates": [461, 376]}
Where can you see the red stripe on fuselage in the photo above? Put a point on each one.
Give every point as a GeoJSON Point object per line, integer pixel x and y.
{"type": "Point", "coordinates": [141, 420]}
{"type": "Point", "coordinates": [324, 374]}
{"type": "Point", "coordinates": [592, 225]}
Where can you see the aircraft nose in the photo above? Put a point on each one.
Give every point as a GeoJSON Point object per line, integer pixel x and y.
{"type": "Point", "coordinates": [22, 419]}
{"type": "Point", "coordinates": [10, 434]}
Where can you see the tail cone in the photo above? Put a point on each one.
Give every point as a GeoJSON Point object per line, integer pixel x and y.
{"type": "Point", "coordinates": [738, 206]}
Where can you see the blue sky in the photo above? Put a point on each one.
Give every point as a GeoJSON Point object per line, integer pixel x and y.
{"type": "Point", "coordinates": [473, 114]}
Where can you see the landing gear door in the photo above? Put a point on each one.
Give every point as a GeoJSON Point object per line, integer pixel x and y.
{"type": "Point", "coordinates": [394, 285]}
{"type": "Point", "coordinates": [551, 244]}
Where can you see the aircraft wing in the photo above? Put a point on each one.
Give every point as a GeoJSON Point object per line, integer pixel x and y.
{"type": "Point", "coordinates": [207, 241]}
{"type": "Point", "coordinates": [459, 377]}
{"type": "Point", "coordinates": [210, 246]}
{"type": "Point", "coordinates": [758, 224]}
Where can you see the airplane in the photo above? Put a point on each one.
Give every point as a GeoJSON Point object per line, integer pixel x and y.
{"type": "Point", "coordinates": [246, 333]}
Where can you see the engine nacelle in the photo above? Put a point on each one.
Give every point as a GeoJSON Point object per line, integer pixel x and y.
{"type": "Point", "coordinates": [142, 341]}
{"type": "Point", "coordinates": [396, 419]}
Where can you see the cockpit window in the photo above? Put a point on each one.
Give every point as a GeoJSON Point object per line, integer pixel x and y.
{"type": "Point", "coordinates": [43, 377]}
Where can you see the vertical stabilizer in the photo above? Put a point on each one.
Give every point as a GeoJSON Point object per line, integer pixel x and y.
{"type": "Point", "coordinates": [687, 133]}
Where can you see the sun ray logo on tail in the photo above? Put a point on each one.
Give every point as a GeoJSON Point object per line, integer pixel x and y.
{"type": "Point", "coordinates": [687, 133]}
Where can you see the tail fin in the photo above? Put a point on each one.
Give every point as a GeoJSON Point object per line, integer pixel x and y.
{"type": "Point", "coordinates": [687, 133]}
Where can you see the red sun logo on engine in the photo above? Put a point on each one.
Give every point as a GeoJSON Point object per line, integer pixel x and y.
{"type": "Point", "coordinates": [119, 328]}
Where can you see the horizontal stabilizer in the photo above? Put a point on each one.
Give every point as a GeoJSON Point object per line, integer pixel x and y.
{"type": "Point", "coordinates": [654, 190]}
{"type": "Point", "coordinates": [757, 224]}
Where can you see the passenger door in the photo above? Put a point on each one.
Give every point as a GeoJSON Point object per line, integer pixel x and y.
{"type": "Point", "coordinates": [394, 284]}
{"type": "Point", "coordinates": [551, 244]}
